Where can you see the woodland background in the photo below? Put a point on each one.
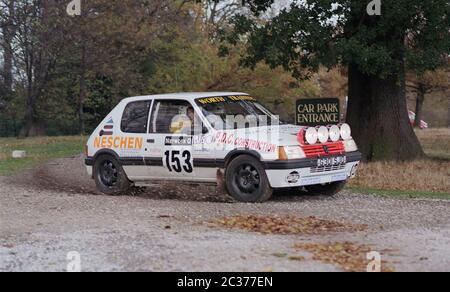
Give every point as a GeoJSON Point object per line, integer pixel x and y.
{"type": "Point", "coordinates": [61, 75]}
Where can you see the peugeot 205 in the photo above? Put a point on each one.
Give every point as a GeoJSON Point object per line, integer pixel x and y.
{"type": "Point", "coordinates": [225, 139]}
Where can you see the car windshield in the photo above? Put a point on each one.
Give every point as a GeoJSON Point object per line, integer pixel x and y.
{"type": "Point", "coordinates": [229, 112]}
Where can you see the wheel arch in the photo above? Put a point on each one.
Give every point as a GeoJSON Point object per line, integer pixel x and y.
{"type": "Point", "coordinates": [238, 152]}
{"type": "Point", "coordinates": [106, 152]}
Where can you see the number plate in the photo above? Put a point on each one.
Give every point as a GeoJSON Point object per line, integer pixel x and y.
{"type": "Point", "coordinates": [331, 161]}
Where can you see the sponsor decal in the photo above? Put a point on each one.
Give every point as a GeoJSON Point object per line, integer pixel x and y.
{"type": "Point", "coordinates": [316, 180]}
{"type": "Point", "coordinates": [155, 151]}
{"type": "Point", "coordinates": [220, 99]}
{"type": "Point", "coordinates": [293, 177]}
{"type": "Point", "coordinates": [231, 139]}
{"type": "Point", "coordinates": [203, 140]}
{"type": "Point", "coordinates": [118, 142]}
{"type": "Point", "coordinates": [178, 141]}
{"type": "Point", "coordinates": [210, 100]}
{"type": "Point", "coordinates": [241, 97]}
{"type": "Point", "coordinates": [108, 129]}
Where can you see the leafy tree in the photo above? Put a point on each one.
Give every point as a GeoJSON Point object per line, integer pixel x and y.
{"type": "Point", "coordinates": [111, 39]}
{"type": "Point", "coordinates": [60, 61]}
{"type": "Point", "coordinates": [333, 83]}
{"type": "Point", "coordinates": [411, 34]}
{"type": "Point", "coordinates": [197, 66]}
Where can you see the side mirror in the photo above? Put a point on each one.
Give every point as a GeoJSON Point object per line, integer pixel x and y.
{"type": "Point", "coordinates": [205, 130]}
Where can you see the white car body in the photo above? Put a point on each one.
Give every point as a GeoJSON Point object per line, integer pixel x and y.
{"type": "Point", "coordinates": [145, 156]}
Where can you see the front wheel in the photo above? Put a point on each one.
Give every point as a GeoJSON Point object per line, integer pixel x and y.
{"type": "Point", "coordinates": [330, 189]}
{"type": "Point", "coordinates": [109, 176]}
{"type": "Point", "coordinates": [246, 180]}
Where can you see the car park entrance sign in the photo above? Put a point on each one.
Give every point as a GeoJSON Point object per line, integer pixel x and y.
{"type": "Point", "coordinates": [320, 111]}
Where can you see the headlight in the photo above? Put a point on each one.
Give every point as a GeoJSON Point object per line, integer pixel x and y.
{"type": "Point", "coordinates": [290, 152]}
{"type": "Point", "coordinates": [311, 136]}
{"type": "Point", "coordinates": [346, 132]}
{"type": "Point", "coordinates": [350, 146]}
{"type": "Point", "coordinates": [323, 134]}
{"type": "Point", "coordinates": [335, 133]}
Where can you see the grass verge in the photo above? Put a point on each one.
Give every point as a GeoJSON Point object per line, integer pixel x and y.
{"type": "Point", "coordinates": [420, 176]}
{"type": "Point", "coordinates": [403, 194]}
{"type": "Point", "coordinates": [435, 142]}
{"type": "Point", "coordinates": [40, 149]}
{"type": "Point", "coordinates": [426, 178]}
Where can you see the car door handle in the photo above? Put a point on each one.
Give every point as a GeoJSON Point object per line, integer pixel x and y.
{"type": "Point", "coordinates": [151, 141]}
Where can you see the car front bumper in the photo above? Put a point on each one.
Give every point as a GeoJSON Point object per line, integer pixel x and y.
{"type": "Point", "coordinates": [304, 172]}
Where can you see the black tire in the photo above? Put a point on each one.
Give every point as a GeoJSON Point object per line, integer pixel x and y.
{"type": "Point", "coordinates": [110, 177]}
{"type": "Point", "coordinates": [246, 180]}
{"type": "Point", "coordinates": [330, 189]}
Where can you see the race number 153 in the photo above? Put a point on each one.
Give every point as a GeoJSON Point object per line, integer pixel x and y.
{"type": "Point", "coordinates": [178, 161]}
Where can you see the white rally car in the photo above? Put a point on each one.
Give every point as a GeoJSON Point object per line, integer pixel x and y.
{"type": "Point", "coordinates": [225, 139]}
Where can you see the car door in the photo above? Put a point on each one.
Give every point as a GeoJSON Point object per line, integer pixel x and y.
{"type": "Point", "coordinates": [129, 143]}
{"type": "Point", "coordinates": [170, 152]}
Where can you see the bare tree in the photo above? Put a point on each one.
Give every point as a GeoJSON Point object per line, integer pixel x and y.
{"type": "Point", "coordinates": [8, 30]}
{"type": "Point", "coordinates": [38, 45]}
{"type": "Point", "coordinates": [216, 13]}
{"type": "Point", "coordinates": [423, 85]}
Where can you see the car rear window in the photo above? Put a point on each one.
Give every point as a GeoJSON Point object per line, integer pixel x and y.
{"type": "Point", "coordinates": [135, 117]}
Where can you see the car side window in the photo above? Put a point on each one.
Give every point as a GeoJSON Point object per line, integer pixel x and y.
{"type": "Point", "coordinates": [172, 117]}
{"type": "Point", "coordinates": [135, 117]}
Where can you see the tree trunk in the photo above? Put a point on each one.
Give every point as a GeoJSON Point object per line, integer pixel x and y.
{"type": "Point", "coordinates": [83, 90]}
{"type": "Point", "coordinates": [29, 118]}
{"type": "Point", "coordinates": [419, 106]}
{"type": "Point", "coordinates": [449, 113]}
{"type": "Point", "coordinates": [7, 61]}
{"type": "Point", "coordinates": [8, 34]}
{"type": "Point", "coordinates": [378, 114]}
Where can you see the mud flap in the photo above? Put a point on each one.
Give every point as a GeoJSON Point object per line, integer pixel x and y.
{"type": "Point", "coordinates": [221, 185]}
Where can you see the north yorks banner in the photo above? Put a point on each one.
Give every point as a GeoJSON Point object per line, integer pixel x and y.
{"type": "Point", "coordinates": [318, 112]}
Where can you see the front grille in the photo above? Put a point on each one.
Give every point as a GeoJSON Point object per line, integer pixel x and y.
{"type": "Point", "coordinates": [326, 149]}
{"type": "Point", "coordinates": [327, 168]}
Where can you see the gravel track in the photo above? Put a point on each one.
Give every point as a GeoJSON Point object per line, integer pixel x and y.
{"type": "Point", "coordinates": [51, 210]}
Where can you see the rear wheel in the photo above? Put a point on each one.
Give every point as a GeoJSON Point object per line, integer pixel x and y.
{"type": "Point", "coordinates": [330, 189]}
{"type": "Point", "coordinates": [109, 176]}
{"type": "Point", "coordinates": [246, 180]}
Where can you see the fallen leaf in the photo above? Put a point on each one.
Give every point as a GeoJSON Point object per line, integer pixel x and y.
{"type": "Point", "coordinates": [280, 254]}
{"type": "Point", "coordinates": [348, 256]}
{"type": "Point", "coordinates": [286, 224]}
{"type": "Point", "coordinates": [297, 258]}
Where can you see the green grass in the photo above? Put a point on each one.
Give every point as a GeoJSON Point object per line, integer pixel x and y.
{"type": "Point", "coordinates": [402, 194]}
{"type": "Point", "coordinates": [38, 150]}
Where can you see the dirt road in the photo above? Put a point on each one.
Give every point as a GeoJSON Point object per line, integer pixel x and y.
{"type": "Point", "coordinates": [47, 212]}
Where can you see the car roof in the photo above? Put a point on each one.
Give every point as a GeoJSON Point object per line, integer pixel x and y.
{"type": "Point", "coordinates": [191, 96]}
